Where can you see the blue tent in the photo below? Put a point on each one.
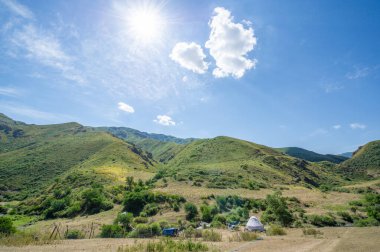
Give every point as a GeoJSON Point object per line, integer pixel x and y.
{"type": "Point", "coordinates": [170, 231]}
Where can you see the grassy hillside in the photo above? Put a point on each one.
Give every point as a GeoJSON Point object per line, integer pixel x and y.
{"type": "Point", "coordinates": [162, 147]}
{"type": "Point", "coordinates": [35, 156]}
{"type": "Point", "coordinates": [311, 156]}
{"type": "Point", "coordinates": [365, 162]}
{"type": "Point", "coordinates": [225, 162]}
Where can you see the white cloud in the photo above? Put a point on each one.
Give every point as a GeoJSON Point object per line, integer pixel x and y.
{"type": "Point", "coordinates": [185, 78]}
{"type": "Point", "coordinates": [358, 73]}
{"type": "Point", "coordinates": [18, 9]}
{"type": "Point", "coordinates": [164, 120]}
{"type": "Point", "coordinates": [338, 126]}
{"type": "Point", "coordinates": [229, 44]}
{"type": "Point", "coordinates": [6, 91]}
{"type": "Point", "coordinates": [318, 132]}
{"type": "Point", "coordinates": [357, 126]}
{"type": "Point", "coordinates": [189, 56]}
{"type": "Point", "coordinates": [125, 107]}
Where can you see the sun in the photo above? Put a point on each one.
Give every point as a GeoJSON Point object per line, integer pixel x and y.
{"type": "Point", "coordinates": [146, 23]}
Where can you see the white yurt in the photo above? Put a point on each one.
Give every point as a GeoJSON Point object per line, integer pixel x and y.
{"type": "Point", "coordinates": [254, 224]}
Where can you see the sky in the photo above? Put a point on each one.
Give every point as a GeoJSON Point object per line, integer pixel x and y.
{"type": "Point", "coordinates": [279, 73]}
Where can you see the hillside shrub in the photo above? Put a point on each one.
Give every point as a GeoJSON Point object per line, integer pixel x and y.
{"type": "Point", "coordinates": [275, 230]}
{"type": "Point", "coordinates": [208, 212]}
{"type": "Point", "coordinates": [94, 201]}
{"type": "Point", "coordinates": [112, 231]}
{"type": "Point", "coordinates": [346, 216]}
{"type": "Point", "coordinates": [277, 211]}
{"type": "Point", "coordinates": [322, 220]}
{"type": "Point", "coordinates": [6, 226]}
{"type": "Point", "coordinates": [191, 211]}
{"type": "Point", "coordinates": [146, 230]}
{"type": "Point", "coordinates": [124, 220]}
{"type": "Point", "coordinates": [74, 234]}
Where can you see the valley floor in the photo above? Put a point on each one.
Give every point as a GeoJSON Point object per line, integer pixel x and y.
{"type": "Point", "coordinates": [333, 239]}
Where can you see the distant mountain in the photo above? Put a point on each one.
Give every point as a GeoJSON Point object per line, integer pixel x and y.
{"type": "Point", "coordinates": [346, 154]}
{"type": "Point", "coordinates": [311, 156]}
{"type": "Point", "coordinates": [162, 147]}
{"type": "Point", "coordinates": [365, 162]}
{"type": "Point", "coordinates": [225, 162]}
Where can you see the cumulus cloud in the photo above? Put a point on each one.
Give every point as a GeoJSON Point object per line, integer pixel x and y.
{"type": "Point", "coordinates": [338, 126]}
{"type": "Point", "coordinates": [164, 120]}
{"type": "Point", "coordinates": [357, 126]}
{"type": "Point", "coordinates": [125, 107]}
{"type": "Point", "coordinates": [189, 56]}
{"type": "Point", "coordinates": [229, 44]}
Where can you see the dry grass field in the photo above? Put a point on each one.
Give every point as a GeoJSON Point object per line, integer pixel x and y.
{"type": "Point", "coordinates": [345, 239]}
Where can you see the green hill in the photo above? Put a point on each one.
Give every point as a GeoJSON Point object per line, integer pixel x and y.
{"type": "Point", "coordinates": [346, 154]}
{"type": "Point", "coordinates": [224, 162]}
{"type": "Point", "coordinates": [162, 147]}
{"type": "Point", "coordinates": [365, 162]}
{"type": "Point", "coordinates": [34, 157]}
{"type": "Point", "coordinates": [311, 156]}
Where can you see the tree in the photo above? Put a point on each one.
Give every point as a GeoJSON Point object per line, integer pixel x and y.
{"type": "Point", "coordinates": [6, 226]}
{"type": "Point", "coordinates": [124, 220]}
{"type": "Point", "coordinates": [277, 210]}
{"type": "Point", "coordinates": [129, 183]}
{"type": "Point", "coordinates": [191, 211]}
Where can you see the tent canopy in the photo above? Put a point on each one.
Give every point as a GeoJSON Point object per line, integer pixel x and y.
{"type": "Point", "coordinates": [254, 224]}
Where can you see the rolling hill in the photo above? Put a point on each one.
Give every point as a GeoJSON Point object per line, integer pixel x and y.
{"type": "Point", "coordinates": [365, 162]}
{"type": "Point", "coordinates": [162, 147]}
{"type": "Point", "coordinates": [225, 162]}
{"type": "Point", "coordinates": [311, 156]}
{"type": "Point", "coordinates": [34, 157]}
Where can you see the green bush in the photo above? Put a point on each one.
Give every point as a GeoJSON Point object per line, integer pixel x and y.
{"type": "Point", "coordinates": [277, 211]}
{"type": "Point", "coordinates": [191, 211]}
{"type": "Point", "coordinates": [94, 201]}
{"type": "Point", "coordinates": [346, 216]}
{"type": "Point", "coordinates": [322, 220]}
{"type": "Point", "coordinates": [211, 235]}
{"type": "Point", "coordinates": [124, 220]}
{"type": "Point", "coordinates": [275, 230]}
{"type": "Point", "coordinates": [151, 209]}
{"type": "Point", "coordinates": [367, 222]}
{"type": "Point", "coordinates": [6, 226]}
{"type": "Point", "coordinates": [208, 212]}
{"type": "Point", "coordinates": [112, 231]}
{"type": "Point", "coordinates": [145, 231]}
{"type": "Point", "coordinates": [74, 234]}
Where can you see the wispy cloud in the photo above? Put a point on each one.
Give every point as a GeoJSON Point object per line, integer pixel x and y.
{"type": "Point", "coordinates": [18, 9]}
{"type": "Point", "coordinates": [164, 120]}
{"type": "Point", "coordinates": [125, 107]}
{"type": "Point", "coordinates": [332, 87]}
{"type": "Point", "coordinates": [8, 91]}
{"type": "Point", "coordinates": [358, 72]}
{"type": "Point", "coordinates": [31, 41]}
{"type": "Point", "coordinates": [358, 126]}
{"type": "Point", "coordinates": [337, 126]}
{"type": "Point", "coordinates": [33, 113]}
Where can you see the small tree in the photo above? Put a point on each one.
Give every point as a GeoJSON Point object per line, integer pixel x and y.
{"type": "Point", "coordinates": [277, 210]}
{"type": "Point", "coordinates": [129, 183]}
{"type": "Point", "coordinates": [191, 211]}
{"type": "Point", "coordinates": [124, 220]}
{"type": "Point", "coordinates": [6, 226]}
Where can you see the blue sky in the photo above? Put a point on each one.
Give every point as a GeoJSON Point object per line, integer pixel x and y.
{"type": "Point", "coordinates": [279, 73]}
